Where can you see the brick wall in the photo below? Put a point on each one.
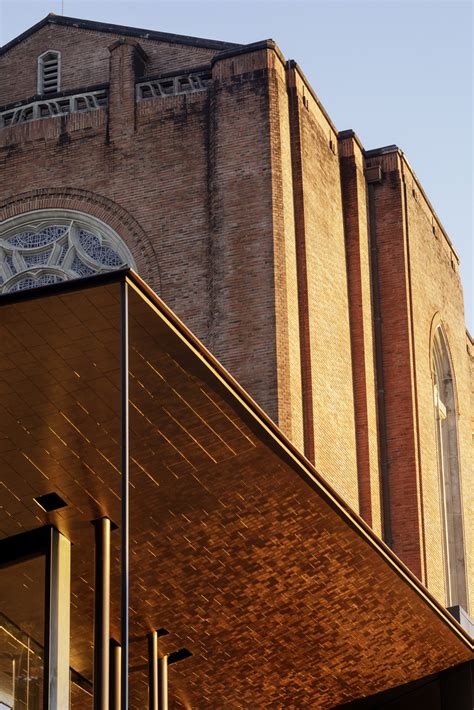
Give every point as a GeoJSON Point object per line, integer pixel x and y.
{"type": "Point", "coordinates": [420, 288]}
{"type": "Point", "coordinates": [241, 237]}
{"type": "Point", "coordinates": [212, 190]}
{"type": "Point", "coordinates": [84, 59]}
{"type": "Point", "coordinates": [251, 217]}
{"type": "Point", "coordinates": [194, 173]}
{"type": "Point", "coordinates": [359, 266]}
{"type": "Point", "coordinates": [437, 298]}
{"type": "Point", "coordinates": [403, 472]}
{"type": "Point", "coordinates": [326, 349]}
{"type": "Point", "coordinates": [290, 412]}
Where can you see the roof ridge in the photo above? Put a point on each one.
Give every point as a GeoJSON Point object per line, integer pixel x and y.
{"type": "Point", "coordinates": [53, 19]}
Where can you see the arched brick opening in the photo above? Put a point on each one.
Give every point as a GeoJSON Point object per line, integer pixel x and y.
{"type": "Point", "coordinates": [100, 207]}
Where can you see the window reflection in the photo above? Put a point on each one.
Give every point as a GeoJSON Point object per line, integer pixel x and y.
{"type": "Point", "coordinates": [22, 635]}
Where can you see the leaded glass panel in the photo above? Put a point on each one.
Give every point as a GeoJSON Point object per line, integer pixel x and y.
{"type": "Point", "coordinates": [48, 246]}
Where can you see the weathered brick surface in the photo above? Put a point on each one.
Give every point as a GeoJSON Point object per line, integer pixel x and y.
{"type": "Point", "coordinates": [398, 374]}
{"type": "Point", "coordinates": [195, 173]}
{"type": "Point", "coordinates": [420, 287]}
{"type": "Point", "coordinates": [359, 266]}
{"type": "Point", "coordinates": [437, 299]}
{"type": "Point", "coordinates": [85, 59]}
{"type": "Point", "coordinates": [241, 236]}
{"type": "Point", "coordinates": [327, 348]}
{"type": "Point", "coordinates": [240, 209]}
{"type": "Point", "coordinates": [290, 413]}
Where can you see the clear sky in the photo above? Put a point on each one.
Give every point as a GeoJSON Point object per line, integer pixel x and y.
{"type": "Point", "coordinates": [396, 71]}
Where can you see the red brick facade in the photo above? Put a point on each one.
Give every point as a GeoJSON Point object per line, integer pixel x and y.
{"type": "Point", "coordinates": [310, 268]}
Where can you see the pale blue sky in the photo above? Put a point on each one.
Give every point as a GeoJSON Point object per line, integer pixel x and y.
{"type": "Point", "coordinates": [396, 71]}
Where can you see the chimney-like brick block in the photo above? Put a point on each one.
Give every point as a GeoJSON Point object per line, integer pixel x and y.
{"type": "Point", "coordinates": [242, 327]}
{"type": "Point", "coordinates": [127, 60]}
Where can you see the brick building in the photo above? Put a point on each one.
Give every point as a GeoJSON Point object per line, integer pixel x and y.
{"type": "Point", "coordinates": [315, 271]}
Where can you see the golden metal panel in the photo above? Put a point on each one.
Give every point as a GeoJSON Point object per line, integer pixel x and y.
{"type": "Point", "coordinates": [238, 547]}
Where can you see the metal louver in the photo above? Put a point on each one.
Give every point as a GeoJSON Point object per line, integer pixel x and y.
{"type": "Point", "coordinates": [49, 73]}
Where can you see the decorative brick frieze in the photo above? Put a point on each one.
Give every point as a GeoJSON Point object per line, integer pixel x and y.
{"type": "Point", "coordinates": [48, 107]}
{"type": "Point", "coordinates": [56, 128]}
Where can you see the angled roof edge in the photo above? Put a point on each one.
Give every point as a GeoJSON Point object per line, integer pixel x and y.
{"type": "Point", "coordinates": [276, 439]}
{"type": "Point", "coordinates": [385, 150]}
{"type": "Point", "coordinates": [53, 19]}
{"type": "Point", "coordinates": [280, 442]}
{"type": "Point", "coordinates": [293, 64]}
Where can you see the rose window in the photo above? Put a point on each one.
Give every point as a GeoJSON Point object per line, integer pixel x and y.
{"type": "Point", "coordinates": [48, 246]}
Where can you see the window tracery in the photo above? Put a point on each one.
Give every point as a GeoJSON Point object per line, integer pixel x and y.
{"type": "Point", "coordinates": [49, 246]}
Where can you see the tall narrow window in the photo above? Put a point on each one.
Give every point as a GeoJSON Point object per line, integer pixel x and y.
{"type": "Point", "coordinates": [49, 69]}
{"type": "Point", "coordinates": [448, 466]}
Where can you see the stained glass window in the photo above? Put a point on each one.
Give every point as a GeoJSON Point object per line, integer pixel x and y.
{"type": "Point", "coordinates": [48, 246]}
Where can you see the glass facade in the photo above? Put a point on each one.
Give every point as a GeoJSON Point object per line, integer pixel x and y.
{"type": "Point", "coordinates": [22, 624]}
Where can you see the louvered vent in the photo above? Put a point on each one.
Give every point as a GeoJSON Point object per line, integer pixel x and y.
{"type": "Point", "coordinates": [48, 73]}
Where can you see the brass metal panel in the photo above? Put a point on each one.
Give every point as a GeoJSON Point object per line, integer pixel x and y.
{"type": "Point", "coordinates": [238, 547]}
{"type": "Point", "coordinates": [60, 427]}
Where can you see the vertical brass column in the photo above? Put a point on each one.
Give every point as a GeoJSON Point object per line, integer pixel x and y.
{"type": "Point", "coordinates": [101, 614]}
{"type": "Point", "coordinates": [163, 683]}
{"type": "Point", "coordinates": [153, 670]}
{"type": "Point", "coordinates": [115, 673]}
{"type": "Point", "coordinates": [56, 683]}
{"type": "Point", "coordinates": [125, 495]}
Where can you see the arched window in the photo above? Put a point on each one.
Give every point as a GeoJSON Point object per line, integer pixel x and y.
{"type": "Point", "coordinates": [49, 72]}
{"type": "Point", "coordinates": [48, 246]}
{"type": "Point", "coordinates": [448, 465]}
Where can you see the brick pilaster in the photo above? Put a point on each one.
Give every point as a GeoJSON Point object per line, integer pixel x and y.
{"type": "Point", "coordinates": [357, 239]}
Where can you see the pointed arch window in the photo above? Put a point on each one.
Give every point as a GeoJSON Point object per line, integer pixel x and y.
{"type": "Point", "coordinates": [446, 416]}
{"type": "Point", "coordinates": [49, 72]}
